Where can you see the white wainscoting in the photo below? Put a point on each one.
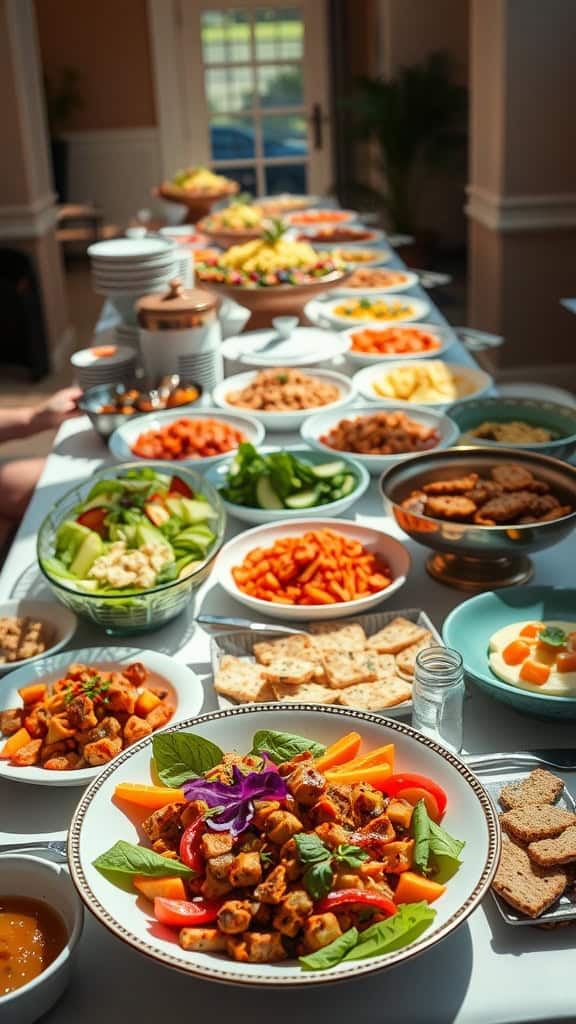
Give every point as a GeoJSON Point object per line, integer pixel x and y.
{"type": "Point", "coordinates": [115, 169]}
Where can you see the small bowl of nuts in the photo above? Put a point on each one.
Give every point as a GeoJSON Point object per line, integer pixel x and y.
{"type": "Point", "coordinates": [29, 630]}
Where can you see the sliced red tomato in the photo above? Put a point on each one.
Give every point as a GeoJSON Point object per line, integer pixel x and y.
{"type": "Point", "coordinates": [180, 913]}
{"type": "Point", "coordinates": [358, 897]}
{"type": "Point", "coordinates": [94, 519]}
{"type": "Point", "coordinates": [180, 487]}
{"type": "Point", "coordinates": [406, 780]}
{"type": "Point", "coordinates": [190, 846]}
{"type": "Point", "coordinates": [413, 794]}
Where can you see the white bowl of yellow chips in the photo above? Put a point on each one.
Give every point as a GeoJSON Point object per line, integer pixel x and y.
{"type": "Point", "coordinates": [425, 382]}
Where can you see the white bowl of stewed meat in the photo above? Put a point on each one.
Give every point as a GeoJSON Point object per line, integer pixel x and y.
{"type": "Point", "coordinates": [41, 919]}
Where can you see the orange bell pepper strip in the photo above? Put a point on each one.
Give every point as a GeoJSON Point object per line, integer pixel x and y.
{"type": "Point", "coordinates": [339, 752]}
{"type": "Point", "coordinates": [381, 755]}
{"type": "Point", "coordinates": [413, 888]}
{"type": "Point", "coordinates": [376, 775]}
{"type": "Point", "coordinates": [151, 797]}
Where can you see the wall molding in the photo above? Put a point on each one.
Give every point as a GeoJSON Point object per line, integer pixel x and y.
{"type": "Point", "coordinates": [512, 214]}
{"type": "Point", "coordinates": [29, 220]}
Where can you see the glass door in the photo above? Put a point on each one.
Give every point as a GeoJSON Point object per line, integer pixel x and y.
{"type": "Point", "coordinates": [257, 97]}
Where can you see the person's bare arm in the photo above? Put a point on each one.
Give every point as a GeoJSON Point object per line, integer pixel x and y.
{"type": "Point", "coordinates": [25, 421]}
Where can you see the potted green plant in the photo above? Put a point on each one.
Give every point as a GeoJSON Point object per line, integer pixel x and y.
{"type": "Point", "coordinates": [63, 97]}
{"type": "Point", "coordinates": [419, 114]}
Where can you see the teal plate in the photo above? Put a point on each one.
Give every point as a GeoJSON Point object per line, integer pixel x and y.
{"type": "Point", "coordinates": [469, 627]}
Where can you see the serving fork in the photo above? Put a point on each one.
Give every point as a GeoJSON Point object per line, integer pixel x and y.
{"type": "Point", "coordinates": [57, 846]}
{"type": "Point", "coordinates": [561, 758]}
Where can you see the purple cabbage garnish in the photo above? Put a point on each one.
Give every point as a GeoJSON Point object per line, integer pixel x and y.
{"type": "Point", "coordinates": [236, 798]}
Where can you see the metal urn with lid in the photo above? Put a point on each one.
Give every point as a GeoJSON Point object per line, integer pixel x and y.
{"type": "Point", "coordinates": [180, 333]}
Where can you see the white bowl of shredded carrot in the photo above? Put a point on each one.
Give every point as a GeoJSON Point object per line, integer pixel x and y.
{"type": "Point", "coordinates": [312, 570]}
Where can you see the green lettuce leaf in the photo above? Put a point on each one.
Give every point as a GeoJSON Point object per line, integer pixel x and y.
{"type": "Point", "coordinates": [180, 756]}
{"type": "Point", "coordinates": [283, 746]}
{"type": "Point", "coordinates": [331, 954]}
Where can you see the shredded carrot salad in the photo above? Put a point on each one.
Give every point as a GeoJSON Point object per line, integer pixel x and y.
{"type": "Point", "coordinates": [321, 567]}
{"type": "Point", "coordinates": [188, 439]}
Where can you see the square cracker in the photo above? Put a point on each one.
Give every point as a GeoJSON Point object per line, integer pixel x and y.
{"type": "Point", "coordinates": [536, 821]}
{"type": "Point", "coordinates": [308, 693]}
{"type": "Point", "coordinates": [296, 645]}
{"type": "Point", "coordinates": [525, 886]}
{"type": "Point", "coordinates": [241, 680]}
{"type": "Point", "coordinates": [406, 659]}
{"type": "Point", "coordinates": [397, 635]}
{"type": "Point", "coordinates": [293, 671]}
{"type": "Point", "coordinates": [346, 668]}
{"type": "Point", "coordinates": [376, 696]}
{"type": "Point", "coordinates": [540, 787]}
{"type": "Point", "coordinates": [337, 636]}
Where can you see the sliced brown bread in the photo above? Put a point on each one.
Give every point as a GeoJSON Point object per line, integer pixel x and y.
{"type": "Point", "coordinates": [536, 821]}
{"type": "Point", "coordinates": [549, 852]}
{"type": "Point", "coordinates": [524, 885]}
{"type": "Point", "coordinates": [540, 787]}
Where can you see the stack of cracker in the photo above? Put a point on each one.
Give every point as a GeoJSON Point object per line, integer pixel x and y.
{"type": "Point", "coordinates": [336, 663]}
{"type": "Point", "coordinates": [539, 841]}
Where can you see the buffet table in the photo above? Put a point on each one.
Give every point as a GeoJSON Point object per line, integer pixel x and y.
{"type": "Point", "coordinates": [484, 972]}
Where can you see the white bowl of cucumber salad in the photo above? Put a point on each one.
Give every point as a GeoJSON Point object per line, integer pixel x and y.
{"type": "Point", "coordinates": [270, 484]}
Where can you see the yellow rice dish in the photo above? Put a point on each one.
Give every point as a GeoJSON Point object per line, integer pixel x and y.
{"type": "Point", "coordinates": [265, 257]}
{"type": "Point", "coordinates": [429, 381]}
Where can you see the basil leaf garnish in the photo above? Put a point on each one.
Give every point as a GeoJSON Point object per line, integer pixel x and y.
{"type": "Point", "coordinates": [283, 746]}
{"type": "Point", "coordinates": [181, 756]}
{"type": "Point", "coordinates": [404, 927]}
{"type": "Point", "coordinates": [331, 954]}
{"type": "Point", "coordinates": [318, 879]}
{"type": "Point", "coordinates": [310, 848]}
{"type": "Point", "coordinates": [350, 856]}
{"type": "Point", "coordinates": [553, 636]}
{"type": "Point", "coordinates": [124, 860]}
{"type": "Point", "coordinates": [421, 833]}
{"type": "Point", "coordinates": [443, 844]}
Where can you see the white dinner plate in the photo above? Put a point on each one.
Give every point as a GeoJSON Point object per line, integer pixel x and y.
{"type": "Point", "coordinates": [378, 542]}
{"type": "Point", "coordinates": [121, 441]}
{"type": "Point", "coordinates": [184, 685]}
{"type": "Point", "coordinates": [283, 420]}
{"type": "Point", "coordinates": [60, 626]}
{"type": "Point", "coordinates": [303, 347]}
{"type": "Point", "coordinates": [340, 217]}
{"type": "Point", "coordinates": [415, 309]}
{"type": "Point", "coordinates": [130, 249]}
{"type": "Point", "coordinates": [376, 238]}
{"type": "Point", "coordinates": [99, 822]}
{"type": "Point", "coordinates": [444, 335]}
{"type": "Point", "coordinates": [410, 281]}
{"type": "Point", "coordinates": [471, 382]}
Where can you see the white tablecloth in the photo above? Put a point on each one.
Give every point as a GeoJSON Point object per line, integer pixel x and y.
{"type": "Point", "coordinates": [485, 972]}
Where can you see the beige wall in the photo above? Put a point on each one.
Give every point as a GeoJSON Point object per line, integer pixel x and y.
{"type": "Point", "coordinates": [487, 90]}
{"type": "Point", "coordinates": [108, 42]}
{"type": "Point", "coordinates": [15, 183]}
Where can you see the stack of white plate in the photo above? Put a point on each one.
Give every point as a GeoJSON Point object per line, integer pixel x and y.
{"type": "Point", "coordinates": [124, 269]}
{"type": "Point", "coordinates": [104, 364]}
{"type": "Point", "coordinates": [205, 367]}
{"type": "Point", "coordinates": [127, 334]}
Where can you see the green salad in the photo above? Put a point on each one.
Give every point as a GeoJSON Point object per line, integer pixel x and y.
{"type": "Point", "coordinates": [131, 534]}
{"type": "Point", "coordinates": [280, 480]}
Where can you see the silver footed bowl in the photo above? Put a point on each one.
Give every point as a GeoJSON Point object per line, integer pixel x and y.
{"type": "Point", "coordinates": [470, 556]}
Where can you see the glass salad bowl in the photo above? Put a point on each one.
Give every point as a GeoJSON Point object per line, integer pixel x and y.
{"type": "Point", "coordinates": [66, 547]}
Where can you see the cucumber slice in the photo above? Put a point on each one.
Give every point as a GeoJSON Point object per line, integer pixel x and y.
{"type": "Point", "coordinates": [266, 495]}
{"type": "Point", "coordinates": [305, 499]}
{"type": "Point", "coordinates": [345, 489]}
{"type": "Point", "coordinates": [326, 469]}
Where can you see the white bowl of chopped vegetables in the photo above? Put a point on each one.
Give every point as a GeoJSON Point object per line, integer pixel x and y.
{"type": "Point", "coordinates": [109, 849]}
{"type": "Point", "coordinates": [268, 484]}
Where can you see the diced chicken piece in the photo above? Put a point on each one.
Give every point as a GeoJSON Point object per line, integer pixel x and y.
{"type": "Point", "coordinates": [136, 728]}
{"type": "Point", "coordinates": [36, 723]}
{"type": "Point", "coordinates": [81, 713]}
{"type": "Point", "coordinates": [202, 940]}
{"type": "Point", "coordinates": [291, 861]}
{"type": "Point", "coordinates": [160, 846]}
{"type": "Point", "coordinates": [60, 764]}
{"type": "Point", "coordinates": [292, 913]}
{"type": "Point", "coordinates": [273, 888]}
{"type": "Point", "coordinates": [332, 834]}
{"type": "Point", "coordinates": [347, 880]}
{"type": "Point", "coordinates": [246, 870]}
{"type": "Point", "coordinates": [214, 889]}
{"type": "Point", "coordinates": [11, 721]}
{"type": "Point", "coordinates": [280, 826]}
{"type": "Point", "coordinates": [53, 750]}
{"type": "Point", "coordinates": [136, 673]}
{"type": "Point", "coordinates": [121, 696]}
{"type": "Point", "coordinates": [195, 809]}
{"type": "Point", "coordinates": [256, 947]}
{"type": "Point", "coordinates": [374, 836]}
{"type": "Point", "coordinates": [288, 767]}
{"type": "Point", "coordinates": [335, 804]}
{"type": "Point", "coordinates": [263, 808]}
{"type": "Point", "coordinates": [306, 785]}
{"type": "Point", "coordinates": [213, 844]}
{"type": "Point", "coordinates": [164, 824]}
{"type": "Point", "coordinates": [27, 755]}
{"type": "Point", "coordinates": [320, 930]}
{"type": "Point", "coordinates": [159, 715]}
{"type": "Point", "coordinates": [102, 751]}
{"type": "Point", "coordinates": [219, 867]}
{"type": "Point", "coordinates": [235, 916]}
{"type": "Point", "coordinates": [367, 803]}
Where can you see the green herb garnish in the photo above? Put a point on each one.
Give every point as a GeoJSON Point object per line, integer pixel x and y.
{"type": "Point", "coordinates": [553, 636]}
{"type": "Point", "coordinates": [320, 861]}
